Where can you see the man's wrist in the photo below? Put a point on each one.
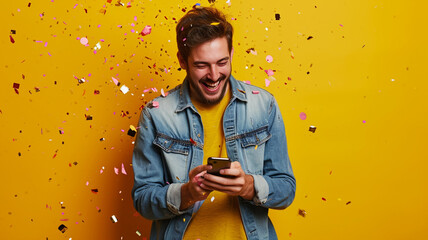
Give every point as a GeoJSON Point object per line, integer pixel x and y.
{"type": "Point", "coordinates": [248, 191]}
{"type": "Point", "coordinates": [186, 201]}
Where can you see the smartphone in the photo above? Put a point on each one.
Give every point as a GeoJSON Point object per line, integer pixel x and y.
{"type": "Point", "coordinates": [218, 164]}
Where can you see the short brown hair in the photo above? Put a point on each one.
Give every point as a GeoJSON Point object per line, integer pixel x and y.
{"type": "Point", "coordinates": [199, 25]}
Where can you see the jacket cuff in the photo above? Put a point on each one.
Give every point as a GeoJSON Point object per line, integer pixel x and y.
{"type": "Point", "coordinates": [173, 198]}
{"type": "Point", "coordinates": [261, 189]}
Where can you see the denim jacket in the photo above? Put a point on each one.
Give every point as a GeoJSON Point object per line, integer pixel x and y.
{"type": "Point", "coordinates": [170, 143]}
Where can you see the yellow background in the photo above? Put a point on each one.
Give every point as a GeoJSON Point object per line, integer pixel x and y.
{"type": "Point", "coordinates": [360, 80]}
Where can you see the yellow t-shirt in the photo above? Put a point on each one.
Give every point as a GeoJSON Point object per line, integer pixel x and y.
{"type": "Point", "coordinates": [219, 216]}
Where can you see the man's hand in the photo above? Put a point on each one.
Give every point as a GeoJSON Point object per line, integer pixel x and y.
{"type": "Point", "coordinates": [237, 183]}
{"type": "Point", "coordinates": [191, 191]}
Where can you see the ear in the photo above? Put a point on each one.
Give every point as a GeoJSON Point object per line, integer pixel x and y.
{"type": "Point", "coordinates": [183, 63]}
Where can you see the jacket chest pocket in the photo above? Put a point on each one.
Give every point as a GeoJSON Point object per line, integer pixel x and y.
{"type": "Point", "coordinates": [253, 145]}
{"type": "Point", "coordinates": [175, 153]}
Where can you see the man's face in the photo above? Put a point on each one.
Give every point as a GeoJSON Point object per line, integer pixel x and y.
{"type": "Point", "coordinates": [208, 69]}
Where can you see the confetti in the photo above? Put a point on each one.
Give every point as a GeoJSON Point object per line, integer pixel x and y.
{"type": "Point", "coordinates": [116, 82]}
{"type": "Point", "coordinates": [62, 228]}
{"type": "Point", "coordinates": [348, 203]}
{"type": "Point", "coordinates": [324, 199]}
{"type": "Point", "coordinates": [212, 198]}
{"type": "Point", "coordinates": [256, 92]}
{"type": "Point", "coordinates": [131, 132]}
{"type": "Point", "coordinates": [113, 219]}
{"type": "Point", "coordinates": [303, 116]}
{"type": "Point", "coordinates": [193, 142]}
{"type": "Point", "coordinates": [269, 72]}
{"type": "Point", "coordinates": [12, 31]}
{"type": "Point", "coordinates": [163, 93]}
{"type": "Point", "coordinates": [124, 89]}
{"type": "Point", "coordinates": [309, 38]}
{"type": "Point", "coordinates": [11, 39]}
{"type": "Point", "coordinates": [312, 129]}
{"type": "Point", "coordinates": [123, 170]}
{"type": "Point", "coordinates": [215, 23]}
{"type": "Point", "coordinates": [267, 82]}
{"type": "Point", "coordinates": [155, 104]}
{"type": "Point", "coordinates": [138, 233]}
{"type": "Point", "coordinates": [269, 58]}
{"type": "Point", "coordinates": [84, 41]}
{"type": "Point", "coordinates": [302, 212]}
{"type": "Point", "coordinates": [95, 190]}
{"type": "Point", "coordinates": [116, 170]}
{"type": "Point", "coordinates": [277, 16]}
{"type": "Point", "coordinates": [147, 30]}
{"type": "Point", "coordinates": [88, 117]}
{"type": "Point", "coordinates": [252, 51]}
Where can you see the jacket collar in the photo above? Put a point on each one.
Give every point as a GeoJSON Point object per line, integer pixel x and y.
{"type": "Point", "coordinates": [184, 94]}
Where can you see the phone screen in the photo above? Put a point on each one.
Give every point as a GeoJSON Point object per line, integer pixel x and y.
{"type": "Point", "coordinates": [218, 164]}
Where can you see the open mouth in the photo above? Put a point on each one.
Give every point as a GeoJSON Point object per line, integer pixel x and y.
{"type": "Point", "coordinates": [211, 86]}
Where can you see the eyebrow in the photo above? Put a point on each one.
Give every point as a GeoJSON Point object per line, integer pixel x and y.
{"type": "Point", "coordinates": [206, 63]}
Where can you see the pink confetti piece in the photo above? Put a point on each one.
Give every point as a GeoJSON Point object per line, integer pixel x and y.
{"type": "Point", "coordinates": [269, 59]}
{"type": "Point", "coordinates": [302, 115]}
{"type": "Point", "coordinates": [46, 44]}
{"type": "Point", "coordinates": [75, 5]}
{"type": "Point", "coordinates": [267, 82]}
{"type": "Point", "coordinates": [147, 30]}
{"type": "Point", "coordinates": [84, 41]}
{"type": "Point", "coordinates": [269, 72]}
{"type": "Point", "coordinates": [123, 169]}
{"type": "Point", "coordinates": [116, 170]}
{"type": "Point", "coordinates": [155, 104]}
{"type": "Point", "coordinates": [256, 92]}
{"type": "Point", "coordinates": [116, 82]}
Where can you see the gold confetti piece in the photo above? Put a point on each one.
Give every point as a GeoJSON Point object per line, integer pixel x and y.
{"type": "Point", "coordinates": [113, 219]}
{"type": "Point", "coordinates": [212, 198]}
{"type": "Point", "coordinates": [184, 220]}
{"type": "Point", "coordinates": [242, 91]}
{"type": "Point", "coordinates": [215, 23]}
{"type": "Point", "coordinates": [302, 212]}
{"type": "Point", "coordinates": [138, 233]}
{"type": "Point", "coordinates": [62, 228]}
{"type": "Point", "coordinates": [255, 148]}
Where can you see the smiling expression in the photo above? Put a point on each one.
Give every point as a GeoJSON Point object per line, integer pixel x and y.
{"type": "Point", "coordinates": [208, 70]}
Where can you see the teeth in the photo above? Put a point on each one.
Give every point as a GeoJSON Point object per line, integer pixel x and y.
{"type": "Point", "coordinates": [213, 85]}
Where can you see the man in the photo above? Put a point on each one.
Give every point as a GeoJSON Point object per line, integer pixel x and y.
{"type": "Point", "coordinates": [211, 114]}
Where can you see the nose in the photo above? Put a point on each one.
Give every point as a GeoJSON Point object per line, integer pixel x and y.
{"type": "Point", "coordinates": [214, 73]}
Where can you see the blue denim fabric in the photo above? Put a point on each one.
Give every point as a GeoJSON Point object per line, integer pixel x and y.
{"type": "Point", "coordinates": [164, 154]}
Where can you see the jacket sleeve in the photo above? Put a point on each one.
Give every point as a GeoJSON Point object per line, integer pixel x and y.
{"type": "Point", "coordinates": [154, 198]}
{"type": "Point", "coordinates": [276, 187]}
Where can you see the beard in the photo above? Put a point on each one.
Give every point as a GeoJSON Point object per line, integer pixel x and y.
{"type": "Point", "coordinates": [200, 94]}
